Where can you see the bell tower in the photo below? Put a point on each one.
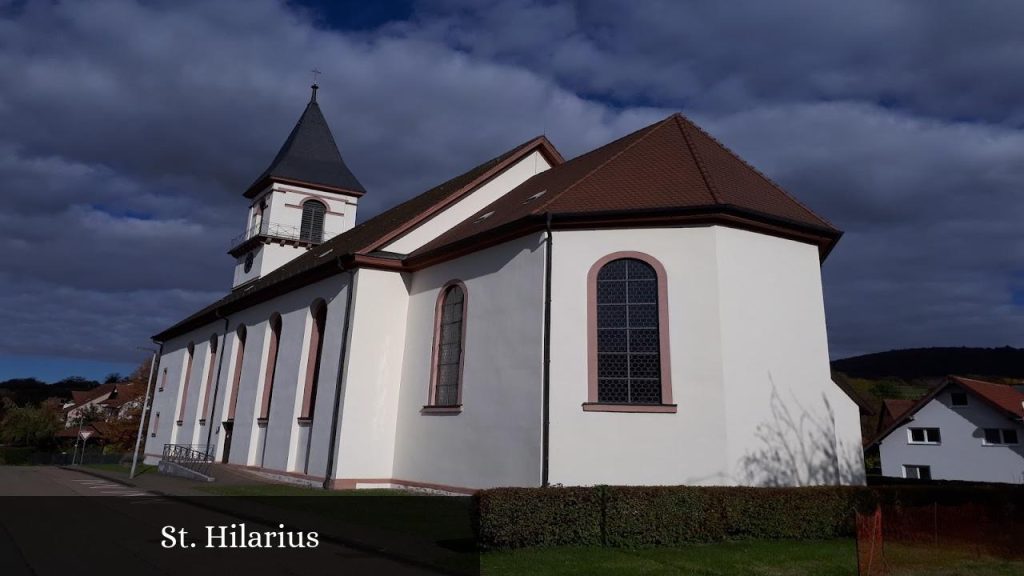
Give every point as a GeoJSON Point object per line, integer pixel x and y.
{"type": "Point", "coordinates": [305, 197]}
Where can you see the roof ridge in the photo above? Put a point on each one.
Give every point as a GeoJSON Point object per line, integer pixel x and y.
{"type": "Point", "coordinates": [712, 189]}
{"type": "Point", "coordinates": [649, 130]}
{"type": "Point", "coordinates": [762, 175]}
{"type": "Point", "coordinates": [500, 161]}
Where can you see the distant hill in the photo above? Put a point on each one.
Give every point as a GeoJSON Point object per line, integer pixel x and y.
{"type": "Point", "coordinates": [33, 391]}
{"type": "Point", "coordinates": [921, 363]}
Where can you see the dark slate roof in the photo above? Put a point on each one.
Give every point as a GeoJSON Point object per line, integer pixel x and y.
{"type": "Point", "coordinates": [670, 165]}
{"type": "Point", "coordinates": [321, 261]}
{"type": "Point", "coordinates": [309, 156]}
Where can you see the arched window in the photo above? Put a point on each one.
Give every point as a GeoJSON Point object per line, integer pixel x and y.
{"type": "Point", "coordinates": [209, 378]}
{"type": "Point", "coordinates": [186, 377]}
{"type": "Point", "coordinates": [271, 369]}
{"type": "Point", "coordinates": [163, 381]}
{"type": "Point", "coordinates": [628, 322]}
{"type": "Point", "coordinates": [236, 379]}
{"type": "Point", "coordinates": [449, 347]}
{"type": "Point", "coordinates": [156, 425]}
{"type": "Point", "coordinates": [312, 229]}
{"type": "Point", "coordinates": [316, 344]}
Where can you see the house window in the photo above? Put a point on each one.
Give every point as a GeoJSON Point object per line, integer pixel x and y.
{"type": "Point", "coordinates": [156, 424]}
{"type": "Point", "coordinates": [271, 368]}
{"type": "Point", "coordinates": [924, 435]}
{"type": "Point", "coordinates": [1000, 437]}
{"type": "Point", "coordinates": [190, 351]}
{"type": "Point", "coordinates": [627, 317]}
{"type": "Point", "coordinates": [449, 347]}
{"type": "Point", "coordinates": [163, 381]}
{"type": "Point", "coordinates": [917, 472]}
{"type": "Point", "coordinates": [312, 229]}
{"type": "Point", "coordinates": [316, 344]}
{"type": "Point", "coordinates": [236, 379]}
{"type": "Point", "coordinates": [958, 398]}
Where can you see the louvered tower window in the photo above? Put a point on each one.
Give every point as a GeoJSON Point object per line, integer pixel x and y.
{"type": "Point", "coordinates": [628, 335]}
{"type": "Point", "coordinates": [312, 229]}
{"type": "Point", "coordinates": [449, 347]}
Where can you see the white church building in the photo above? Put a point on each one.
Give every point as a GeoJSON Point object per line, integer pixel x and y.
{"type": "Point", "coordinates": [647, 313]}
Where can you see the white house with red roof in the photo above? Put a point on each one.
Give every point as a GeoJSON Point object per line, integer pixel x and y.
{"type": "Point", "coordinates": [965, 429]}
{"type": "Point", "coordinates": [649, 312]}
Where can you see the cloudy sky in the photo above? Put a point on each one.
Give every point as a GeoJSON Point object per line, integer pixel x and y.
{"type": "Point", "coordinates": [128, 131]}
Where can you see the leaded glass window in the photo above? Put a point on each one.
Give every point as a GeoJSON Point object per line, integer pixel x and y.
{"type": "Point", "coordinates": [628, 333]}
{"type": "Point", "coordinates": [449, 347]}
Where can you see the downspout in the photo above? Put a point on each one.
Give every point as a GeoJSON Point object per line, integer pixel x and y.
{"type": "Point", "coordinates": [216, 383]}
{"type": "Point", "coordinates": [545, 402]}
{"type": "Point", "coordinates": [342, 356]}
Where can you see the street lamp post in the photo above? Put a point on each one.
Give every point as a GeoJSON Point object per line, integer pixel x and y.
{"type": "Point", "coordinates": [78, 437]}
{"type": "Point", "coordinates": [145, 409]}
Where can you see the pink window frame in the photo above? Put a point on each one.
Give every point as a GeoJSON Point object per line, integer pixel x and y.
{"type": "Point", "coordinates": [430, 407]}
{"type": "Point", "coordinates": [313, 359]}
{"type": "Point", "coordinates": [240, 338]}
{"type": "Point", "coordinates": [156, 425]}
{"type": "Point", "coordinates": [214, 349]}
{"type": "Point", "coordinates": [592, 404]}
{"type": "Point", "coordinates": [191, 351]}
{"type": "Point", "coordinates": [271, 370]}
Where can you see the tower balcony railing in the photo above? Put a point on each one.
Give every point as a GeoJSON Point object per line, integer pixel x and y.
{"type": "Point", "coordinates": [282, 232]}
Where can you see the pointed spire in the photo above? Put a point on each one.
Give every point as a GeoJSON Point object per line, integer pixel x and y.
{"type": "Point", "coordinates": [310, 156]}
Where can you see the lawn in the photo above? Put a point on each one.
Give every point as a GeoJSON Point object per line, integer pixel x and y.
{"type": "Point", "coordinates": [827, 558]}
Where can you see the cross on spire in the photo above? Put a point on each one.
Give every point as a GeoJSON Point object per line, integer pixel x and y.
{"type": "Point", "coordinates": [315, 86]}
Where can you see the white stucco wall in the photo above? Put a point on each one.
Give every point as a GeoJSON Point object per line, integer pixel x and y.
{"type": "Point", "coordinates": [282, 451]}
{"type": "Point", "coordinates": [470, 204]}
{"type": "Point", "coordinates": [788, 423]}
{"type": "Point", "coordinates": [495, 440]}
{"type": "Point", "coordinates": [961, 454]}
{"type": "Point", "coordinates": [366, 440]}
{"type": "Point", "coordinates": [745, 310]}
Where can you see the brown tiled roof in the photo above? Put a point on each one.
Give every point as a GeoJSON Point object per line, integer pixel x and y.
{"type": "Point", "coordinates": [999, 395]}
{"type": "Point", "coordinates": [892, 410]}
{"type": "Point", "coordinates": [671, 165]}
{"type": "Point", "coordinates": [664, 173]}
{"type": "Point", "coordinates": [84, 396]}
{"type": "Point", "coordinates": [361, 238]}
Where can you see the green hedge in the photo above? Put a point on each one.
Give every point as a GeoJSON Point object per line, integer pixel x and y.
{"type": "Point", "coordinates": [11, 456]}
{"type": "Point", "coordinates": [638, 516]}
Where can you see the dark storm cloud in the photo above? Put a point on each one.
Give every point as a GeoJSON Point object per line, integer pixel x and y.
{"type": "Point", "coordinates": [947, 57]}
{"type": "Point", "coordinates": [128, 131]}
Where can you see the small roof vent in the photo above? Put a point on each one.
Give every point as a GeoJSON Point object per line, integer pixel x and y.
{"type": "Point", "coordinates": [535, 196]}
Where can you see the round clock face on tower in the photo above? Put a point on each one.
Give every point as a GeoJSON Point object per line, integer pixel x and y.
{"type": "Point", "coordinates": [248, 261]}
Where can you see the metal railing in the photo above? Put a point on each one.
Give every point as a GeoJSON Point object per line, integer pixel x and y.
{"type": "Point", "coordinates": [186, 456]}
{"type": "Point", "coordinates": [282, 231]}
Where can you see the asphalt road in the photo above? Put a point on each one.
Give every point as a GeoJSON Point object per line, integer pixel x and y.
{"type": "Point", "coordinates": [60, 522]}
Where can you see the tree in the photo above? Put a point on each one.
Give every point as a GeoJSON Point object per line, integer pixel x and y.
{"type": "Point", "coordinates": [113, 378]}
{"type": "Point", "coordinates": [29, 425]}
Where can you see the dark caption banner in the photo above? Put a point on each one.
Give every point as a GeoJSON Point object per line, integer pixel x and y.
{"type": "Point", "coordinates": [227, 535]}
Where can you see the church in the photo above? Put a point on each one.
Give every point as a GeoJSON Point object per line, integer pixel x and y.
{"type": "Point", "coordinates": [647, 313]}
